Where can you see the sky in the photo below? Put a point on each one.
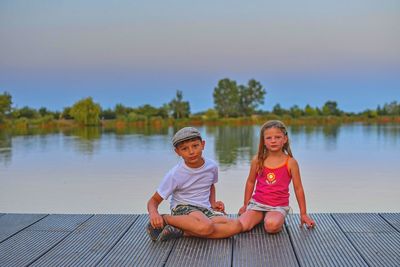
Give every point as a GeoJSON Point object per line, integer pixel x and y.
{"type": "Point", "coordinates": [54, 53]}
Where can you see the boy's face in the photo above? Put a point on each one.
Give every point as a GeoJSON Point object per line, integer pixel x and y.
{"type": "Point", "coordinates": [191, 151]}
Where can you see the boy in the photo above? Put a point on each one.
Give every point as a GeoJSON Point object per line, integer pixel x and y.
{"type": "Point", "coordinates": [194, 210]}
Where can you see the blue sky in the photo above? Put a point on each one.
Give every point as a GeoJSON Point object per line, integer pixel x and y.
{"type": "Point", "coordinates": [53, 53]}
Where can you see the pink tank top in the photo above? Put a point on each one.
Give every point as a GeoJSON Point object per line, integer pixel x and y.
{"type": "Point", "coordinates": [272, 187]}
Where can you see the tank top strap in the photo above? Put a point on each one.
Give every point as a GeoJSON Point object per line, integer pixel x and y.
{"type": "Point", "coordinates": [287, 165]}
{"type": "Point", "coordinates": [287, 161]}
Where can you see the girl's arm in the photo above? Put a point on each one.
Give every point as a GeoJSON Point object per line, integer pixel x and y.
{"type": "Point", "coordinates": [299, 191]}
{"type": "Point", "coordinates": [251, 180]}
{"type": "Point", "coordinates": [216, 205]}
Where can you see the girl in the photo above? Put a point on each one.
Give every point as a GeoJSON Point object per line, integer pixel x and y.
{"type": "Point", "coordinates": [271, 172]}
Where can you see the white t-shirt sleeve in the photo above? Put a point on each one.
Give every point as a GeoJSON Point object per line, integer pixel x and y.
{"type": "Point", "coordinates": [215, 174]}
{"type": "Point", "coordinates": [167, 186]}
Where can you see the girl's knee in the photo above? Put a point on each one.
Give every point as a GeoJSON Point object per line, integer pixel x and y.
{"type": "Point", "coordinates": [245, 225]}
{"type": "Point", "coordinates": [273, 226]}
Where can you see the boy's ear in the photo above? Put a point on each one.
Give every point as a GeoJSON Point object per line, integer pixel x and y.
{"type": "Point", "coordinates": [203, 143]}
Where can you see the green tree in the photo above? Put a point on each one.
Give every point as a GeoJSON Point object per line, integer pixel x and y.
{"type": "Point", "coordinates": [86, 112]}
{"type": "Point", "coordinates": [295, 111]}
{"type": "Point", "coordinates": [107, 114]}
{"type": "Point", "coordinates": [310, 111]}
{"type": "Point", "coordinates": [163, 111]}
{"type": "Point", "coordinates": [5, 105]}
{"type": "Point", "coordinates": [211, 114]}
{"type": "Point", "coordinates": [392, 108]}
{"type": "Point", "coordinates": [45, 112]}
{"type": "Point", "coordinates": [179, 108]}
{"type": "Point", "coordinates": [147, 110]}
{"type": "Point", "coordinates": [250, 97]}
{"type": "Point", "coordinates": [226, 98]}
{"type": "Point", "coordinates": [121, 110]}
{"type": "Point", "coordinates": [27, 112]}
{"type": "Point", "coordinates": [66, 113]}
{"type": "Point", "coordinates": [330, 108]}
{"type": "Point", "coordinates": [278, 110]}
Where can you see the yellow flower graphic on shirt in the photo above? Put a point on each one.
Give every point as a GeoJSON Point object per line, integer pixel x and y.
{"type": "Point", "coordinates": [271, 178]}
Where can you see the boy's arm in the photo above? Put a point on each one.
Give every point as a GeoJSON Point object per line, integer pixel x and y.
{"type": "Point", "coordinates": [212, 195]}
{"type": "Point", "coordinates": [251, 180]}
{"type": "Point", "coordinates": [152, 207]}
{"type": "Point", "coordinates": [299, 191]}
{"type": "Point", "coordinates": [216, 205]}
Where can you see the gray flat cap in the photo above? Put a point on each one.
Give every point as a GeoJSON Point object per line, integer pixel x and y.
{"type": "Point", "coordinates": [185, 134]}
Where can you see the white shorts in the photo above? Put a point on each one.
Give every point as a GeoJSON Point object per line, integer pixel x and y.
{"type": "Point", "coordinates": [254, 205]}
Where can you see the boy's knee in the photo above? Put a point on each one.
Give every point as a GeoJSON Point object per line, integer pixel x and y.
{"type": "Point", "coordinates": [272, 226]}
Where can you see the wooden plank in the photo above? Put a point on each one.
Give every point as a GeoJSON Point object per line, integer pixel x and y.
{"type": "Point", "coordinates": [12, 223]}
{"type": "Point", "coordinates": [191, 251]}
{"type": "Point", "coordinates": [32, 242]}
{"type": "Point", "coordinates": [393, 219]}
{"type": "Point", "coordinates": [136, 248]}
{"type": "Point", "coordinates": [325, 245]}
{"type": "Point", "coordinates": [376, 240]}
{"type": "Point", "coordinates": [258, 248]}
{"type": "Point", "coordinates": [89, 243]}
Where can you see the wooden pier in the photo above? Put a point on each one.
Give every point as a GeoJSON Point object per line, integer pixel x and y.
{"type": "Point", "coordinates": [340, 239]}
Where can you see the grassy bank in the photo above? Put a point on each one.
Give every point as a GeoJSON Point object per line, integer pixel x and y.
{"type": "Point", "coordinates": [157, 122]}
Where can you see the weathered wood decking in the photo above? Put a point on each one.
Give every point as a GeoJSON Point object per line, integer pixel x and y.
{"type": "Point", "coordinates": [348, 239]}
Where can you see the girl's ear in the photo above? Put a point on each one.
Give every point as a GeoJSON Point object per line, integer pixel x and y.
{"type": "Point", "coordinates": [286, 139]}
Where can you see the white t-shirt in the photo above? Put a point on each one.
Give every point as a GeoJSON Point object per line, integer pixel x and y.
{"type": "Point", "coordinates": [188, 185]}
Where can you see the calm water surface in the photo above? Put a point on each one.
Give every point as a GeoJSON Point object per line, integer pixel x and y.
{"type": "Point", "coordinates": [348, 168]}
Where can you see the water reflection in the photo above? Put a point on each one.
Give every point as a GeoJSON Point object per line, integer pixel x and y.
{"type": "Point", "coordinates": [115, 170]}
{"type": "Point", "coordinates": [233, 143]}
{"type": "Point", "coordinates": [86, 141]}
{"type": "Point", "coordinates": [5, 147]}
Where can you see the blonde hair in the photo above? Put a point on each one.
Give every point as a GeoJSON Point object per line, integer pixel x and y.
{"type": "Point", "coordinates": [262, 150]}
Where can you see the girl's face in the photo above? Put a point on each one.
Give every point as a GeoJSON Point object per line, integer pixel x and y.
{"type": "Point", "coordinates": [274, 139]}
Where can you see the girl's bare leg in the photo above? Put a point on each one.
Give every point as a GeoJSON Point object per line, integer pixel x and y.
{"type": "Point", "coordinates": [249, 219]}
{"type": "Point", "coordinates": [273, 222]}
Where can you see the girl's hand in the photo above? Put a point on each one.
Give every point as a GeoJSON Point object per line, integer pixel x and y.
{"type": "Point", "coordinates": [219, 206]}
{"type": "Point", "coordinates": [242, 209]}
{"type": "Point", "coordinates": [304, 219]}
{"type": "Point", "coordinates": [156, 221]}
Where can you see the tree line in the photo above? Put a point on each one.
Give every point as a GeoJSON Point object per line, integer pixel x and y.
{"type": "Point", "coordinates": [230, 100]}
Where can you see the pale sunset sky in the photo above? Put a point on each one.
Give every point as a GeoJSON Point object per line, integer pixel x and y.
{"type": "Point", "coordinates": [53, 53]}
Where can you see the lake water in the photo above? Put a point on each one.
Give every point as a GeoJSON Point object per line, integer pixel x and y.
{"type": "Point", "coordinates": [348, 168]}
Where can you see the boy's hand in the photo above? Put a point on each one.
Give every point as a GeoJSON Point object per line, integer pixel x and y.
{"type": "Point", "coordinates": [304, 219]}
{"type": "Point", "coordinates": [242, 209]}
{"type": "Point", "coordinates": [156, 221]}
{"type": "Point", "coordinates": [218, 206]}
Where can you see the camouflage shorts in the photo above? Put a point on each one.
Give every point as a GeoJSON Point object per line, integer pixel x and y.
{"type": "Point", "coordinates": [186, 209]}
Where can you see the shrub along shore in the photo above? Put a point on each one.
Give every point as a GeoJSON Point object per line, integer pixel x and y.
{"type": "Point", "coordinates": [157, 122]}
